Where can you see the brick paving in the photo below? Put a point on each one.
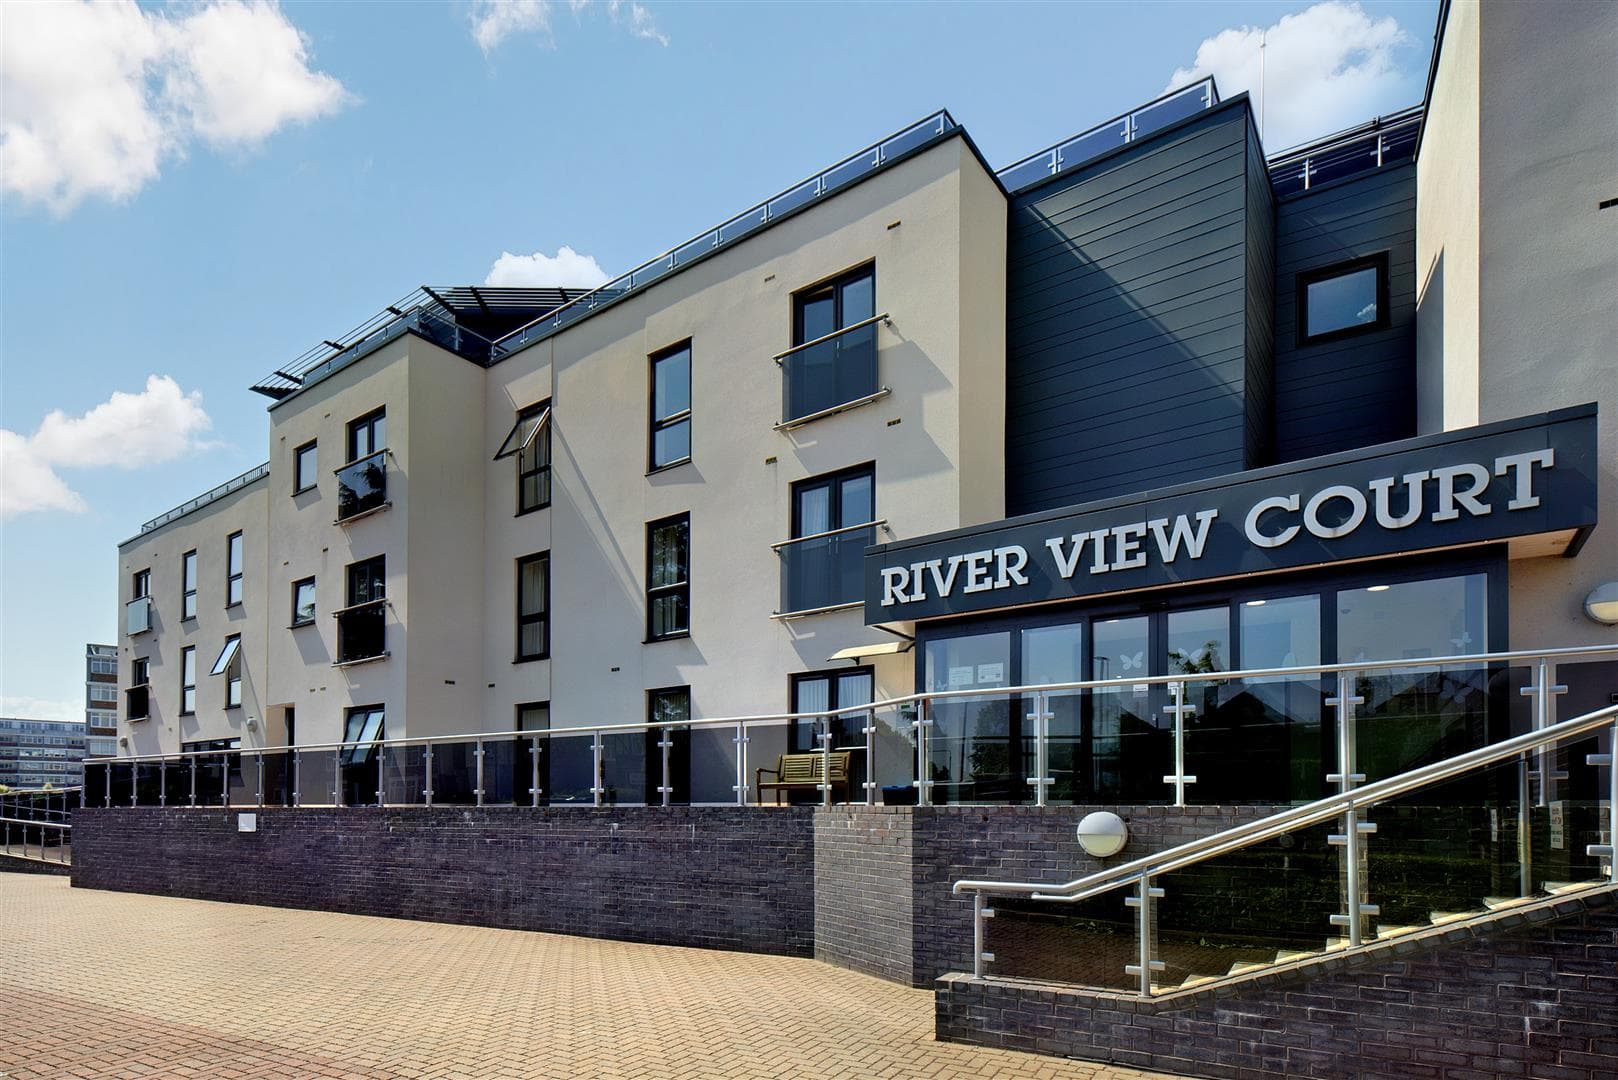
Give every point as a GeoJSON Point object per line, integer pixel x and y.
{"type": "Point", "coordinates": [128, 985]}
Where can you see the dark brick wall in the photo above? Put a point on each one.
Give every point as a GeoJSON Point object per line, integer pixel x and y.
{"type": "Point", "coordinates": [1534, 993]}
{"type": "Point", "coordinates": [714, 877]}
{"type": "Point", "coordinates": [864, 916]}
{"type": "Point", "coordinates": [16, 864]}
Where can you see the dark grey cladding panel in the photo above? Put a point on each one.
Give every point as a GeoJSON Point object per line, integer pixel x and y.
{"type": "Point", "coordinates": [1522, 477]}
{"type": "Point", "coordinates": [1356, 391]}
{"type": "Point", "coordinates": [1129, 330]}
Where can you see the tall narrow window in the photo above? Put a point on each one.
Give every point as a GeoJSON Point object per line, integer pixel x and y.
{"type": "Point", "coordinates": [188, 680]}
{"type": "Point", "coordinates": [304, 464]}
{"type": "Point", "coordinates": [533, 607]}
{"type": "Point", "coordinates": [229, 664]}
{"type": "Point", "coordinates": [529, 440]}
{"type": "Point", "coordinates": [303, 602]}
{"type": "Point", "coordinates": [233, 571]}
{"type": "Point", "coordinates": [833, 522]}
{"type": "Point", "coordinates": [671, 406]}
{"type": "Point", "coordinates": [188, 586]}
{"type": "Point", "coordinates": [833, 357]}
{"type": "Point", "coordinates": [139, 694]}
{"type": "Point", "coordinates": [140, 584]}
{"type": "Point", "coordinates": [668, 578]}
{"type": "Point", "coordinates": [362, 622]}
{"type": "Point", "coordinates": [362, 484]}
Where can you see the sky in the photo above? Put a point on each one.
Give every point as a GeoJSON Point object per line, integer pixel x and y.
{"type": "Point", "coordinates": [191, 195]}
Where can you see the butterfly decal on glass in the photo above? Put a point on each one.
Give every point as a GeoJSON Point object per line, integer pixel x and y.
{"type": "Point", "coordinates": [1461, 642]}
{"type": "Point", "coordinates": [1132, 663]}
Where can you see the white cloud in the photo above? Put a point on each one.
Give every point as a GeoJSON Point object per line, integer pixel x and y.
{"type": "Point", "coordinates": [126, 431]}
{"type": "Point", "coordinates": [493, 21]}
{"type": "Point", "coordinates": [95, 97]}
{"type": "Point", "coordinates": [33, 708]}
{"type": "Point", "coordinates": [1325, 68]}
{"type": "Point", "coordinates": [566, 269]}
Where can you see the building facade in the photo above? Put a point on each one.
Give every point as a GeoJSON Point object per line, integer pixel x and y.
{"type": "Point", "coordinates": [35, 754]}
{"type": "Point", "coordinates": [101, 700]}
{"type": "Point", "coordinates": [1143, 402]}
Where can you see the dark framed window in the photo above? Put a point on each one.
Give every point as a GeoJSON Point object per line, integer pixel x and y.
{"type": "Point", "coordinates": [367, 580]}
{"type": "Point", "coordinates": [533, 607]}
{"type": "Point", "coordinates": [671, 406]}
{"type": "Point", "coordinates": [139, 694]}
{"type": "Point", "coordinates": [833, 522]}
{"type": "Point", "coordinates": [188, 680]}
{"type": "Point", "coordinates": [668, 578]}
{"type": "Point", "coordinates": [839, 500]}
{"type": "Point", "coordinates": [529, 441]}
{"type": "Point", "coordinates": [1343, 299]}
{"type": "Point", "coordinates": [229, 664]}
{"type": "Point", "coordinates": [367, 435]}
{"type": "Point", "coordinates": [140, 584]}
{"type": "Point", "coordinates": [303, 602]}
{"type": "Point", "coordinates": [362, 622]}
{"type": "Point", "coordinates": [304, 464]}
{"type": "Point", "coordinates": [833, 358]}
{"type": "Point", "coordinates": [233, 569]}
{"type": "Point", "coordinates": [359, 760]}
{"type": "Point", "coordinates": [188, 585]}
{"type": "Point", "coordinates": [534, 716]}
{"type": "Point", "coordinates": [822, 691]}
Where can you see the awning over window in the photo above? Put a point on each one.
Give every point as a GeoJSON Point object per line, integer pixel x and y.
{"type": "Point", "coordinates": [881, 648]}
{"type": "Point", "coordinates": [226, 655]}
{"type": "Point", "coordinates": [523, 431]}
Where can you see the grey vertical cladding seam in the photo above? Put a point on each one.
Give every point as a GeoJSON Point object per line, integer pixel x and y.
{"type": "Point", "coordinates": [710, 877]}
{"type": "Point", "coordinates": [1532, 995]}
{"type": "Point", "coordinates": [1361, 390]}
{"type": "Point", "coordinates": [1128, 350]}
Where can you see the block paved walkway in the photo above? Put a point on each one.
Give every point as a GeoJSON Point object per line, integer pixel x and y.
{"type": "Point", "coordinates": [101, 984]}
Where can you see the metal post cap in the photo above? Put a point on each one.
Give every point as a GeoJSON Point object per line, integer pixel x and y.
{"type": "Point", "coordinates": [1103, 833]}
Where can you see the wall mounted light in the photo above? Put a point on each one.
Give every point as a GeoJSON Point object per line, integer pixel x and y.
{"type": "Point", "coordinates": [1103, 834]}
{"type": "Point", "coordinates": [1602, 604]}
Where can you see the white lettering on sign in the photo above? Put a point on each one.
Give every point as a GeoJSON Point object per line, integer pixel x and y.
{"type": "Point", "coordinates": [1330, 513]}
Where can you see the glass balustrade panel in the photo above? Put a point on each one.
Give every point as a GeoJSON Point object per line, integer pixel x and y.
{"type": "Point", "coordinates": [316, 777]}
{"type": "Point", "coordinates": [711, 753]}
{"type": "Point", "coordinates": [455, 773]}
{"type": "Point", "coordinates": [1088, 943]}
{"type": "Point", "coordinates": [404, 774]}
{"type": "Point", "coordinates": [571, 761]}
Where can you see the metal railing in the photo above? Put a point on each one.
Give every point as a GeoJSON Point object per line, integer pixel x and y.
{"type": "Point", "coordinates": [757, 216]}
{"type": "Point", "coordinates": [834, 372]}
{"type": "Point", "coordinates": [906, 747]}
{"type": "Point", "coordinates": [1348, 806]}
{"type": "Point", "coordinates": [1110, 134]}
{"type": "Point", "coordinates": [236, 483]}
{"type": "Point", "coordinates": [33, 823]}
{"type": "Point", "coordinates": [1387, 140]}
{"type": "Point", "coordinates": [362, 485]}
{"type": "Point", "coordinates": [825, 571]}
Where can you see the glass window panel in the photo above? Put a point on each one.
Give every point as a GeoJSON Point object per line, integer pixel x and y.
{"type": "Point", "coordinates": [1052, 654]}
{"type": "Point", "coordinates": [1281, 632]}
{"type": "Point", "coordinates": [1342, 302]}
{"type": "Point", "coordinates": [669, 553]}
{"type": "Point", "coordinates": [1198, 641]}
{"type": "Point", "coordinates": [670, 615]}
{"type": "Point", "coordinates": [306, 463]}
{"type": "Point", "coordinates": [817, 316]}
{"type": "Point", "coordinates": [672, 383]}
{"type": "Point", "coordinates": [854, 688]}
{"type": "Point", "coordinates": [814, 510]}
{"type": "Point", "coordinates": [236, 553]}
{"type": "Point", "coordinates": [1413, 619]}
{"type": "Point", "coordinates": [672, 443]}
{"type": "Point", "coordinates": [1127, 747]}
{"type": "Point", "coordinates": [226, 655]}
{"type": "Point", "coordinates": [859, 300]}
{"type": "Point", "coordinates": [303, 601]}
{"type": "Point", "coordinates": [535, 717]}
{"type": "Point", "coordinates": [969, 750]}
{"type": "Point", "coordinates": [856, 500]}
{"type": "Point", "coordinates": [533, 587]}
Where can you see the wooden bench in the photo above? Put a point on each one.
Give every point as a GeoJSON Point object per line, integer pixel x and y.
{"type": "Point", "coordinates": [802, 772]}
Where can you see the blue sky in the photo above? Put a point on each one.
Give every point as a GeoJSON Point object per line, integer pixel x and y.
{"type": "Point", "coordinates": [247, 192]}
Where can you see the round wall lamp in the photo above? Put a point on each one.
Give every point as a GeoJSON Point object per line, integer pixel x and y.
{"type": "Point", "coordinates": [1103, 834]}
{"type": "Point", "coordinates": [1602, 603]}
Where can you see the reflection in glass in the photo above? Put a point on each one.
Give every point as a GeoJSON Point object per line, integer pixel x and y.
{"type": "Point", "coordinates": [1342, 302]}
{"type": "Point", "coordinates": [1055, 654]}
{"type": "Point", "coordinates": [1127, 745]}
{"type": "Point", "coordinates": [969, 754]}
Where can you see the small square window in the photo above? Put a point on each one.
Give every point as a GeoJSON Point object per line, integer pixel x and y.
{"type": "Point", "coordinates": [1344, 299]}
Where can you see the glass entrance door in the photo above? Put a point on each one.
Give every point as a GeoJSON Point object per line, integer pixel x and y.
{"type": "Point", "coordinates": [835, 690]}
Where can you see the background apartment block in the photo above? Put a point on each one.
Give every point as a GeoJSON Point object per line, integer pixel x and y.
{"type": "Point", "coordinates": [40, 753]}
{"type": "Point", "coordinates": [101, 700]}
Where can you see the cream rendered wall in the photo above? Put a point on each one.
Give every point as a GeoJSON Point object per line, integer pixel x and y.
{"type": "Point", "coordinates": [305, 541]}
{"type": "Point", "coordinates": [933, 276]}
{"type": "Point", "coordinates": [205, 531]}
{"type": "Point", "coordinates": [1447, 224]}
{"type": "Point", "coordinates": [1548, 286]}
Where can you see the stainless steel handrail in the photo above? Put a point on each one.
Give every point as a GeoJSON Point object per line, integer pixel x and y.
{"type": "Point", "coordinates": [1471, 659]}
{"type": "Point", "coordinates": [779, 544]}
{"type": "Point", "coordinates": [849, 329]}
{"type": "Point", "coordinates": [1208, 847]}
{"type": "Point", "coordinates": [44, 824]}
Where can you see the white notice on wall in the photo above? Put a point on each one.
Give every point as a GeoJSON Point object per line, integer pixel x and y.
{"type": "Point", "coordinates": [959, 677]}
{"type": "Point", "coordinates": [991, 673]}
{"type": "Point", "coordinates": [247, 823]}
{"type": "Point", "coordinates": [1557, 838]}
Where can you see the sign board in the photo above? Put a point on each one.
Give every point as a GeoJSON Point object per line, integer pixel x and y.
{"type": "Point", "coordinates": [1525, 477]}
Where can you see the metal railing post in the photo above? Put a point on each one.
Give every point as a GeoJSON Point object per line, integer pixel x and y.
{"type": "Point", "coordinates": [870, 758]}
{"type": "Point", "coordinates": [297, 778]}
{"type": "Point", "coordinates": [533, 755]}
{"type": "Point", "coordinates": [1146, 963]}
{"type": "Point", "coordinates": [1347, 778]}
{"type": "Point", "coordinates": [260, 800]}
{"type": "Point", "coordinates": [824, 735]}
{"type": "Point", "coordinates": [1525, 835]}
{"type": "Point", "coordinates": [741, 764]}
{"type": "Point", "coordinates": [108, 777]}
{"type": "Point", "coordinates": [980, 956]}
{"type": "Point", "coordinates": [1608, 850]}
{"type": "Point", "coordinates": [1178, 779]}
{"type": "Point", "coordinates": [477, 754]}
{"type": "Point", "coordinates": [427, 773]}
{"type": "Point", "coordinates": [162, 783]}
{"type": "Point", "coordinates": [381, 773]}
{"type": "Point", "coordinates": [193, 780]}
{"type": "Point", "coordinates": [1040, 718]}
{"type": "Point", "coordinates": [921, 724]}
{"type": "Point", "coordinates": [1544, 690]}
{"type": "Point", "coordinates": [337, 778]}
{"type": "Point", "coordinates": [665, 743]}
{"type": "Point", "coordinates": [598, 787]}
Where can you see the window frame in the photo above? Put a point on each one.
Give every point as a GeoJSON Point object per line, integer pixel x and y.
{"type": "Point", "coordinates": [834, 503]}
{"type": "Point", "coordinates": [140, 584]}
{"type": "Point", "coordinates": [188, 690]}
{"type": "Point", "coordinates": [656, 423]}
{"type": "Point", "coordinates": [231, 669]}
{"type": "Point", "coordinates": [298, 486]}
{"type": "Point", "coordinates": [297, 622]}
{"type": "Point", "coordinates": [836, 283]}
{"type": "Point", "coordinates": [188, 585]}
{"type": "Point", "coordinates": [365, 422]}
{"type": "Point", "coordinates": [542, 618]}
{"type": "Point", "coordinates": [235, 589]}
{"type": "Point", "coordinates": [521, 707]}
{"type": "Point", "coordinates": [682, 587]}
{"type": "Point", "coordinates": [509, 447]}
{"type": "Point", "coordinates": [1342, 268]}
